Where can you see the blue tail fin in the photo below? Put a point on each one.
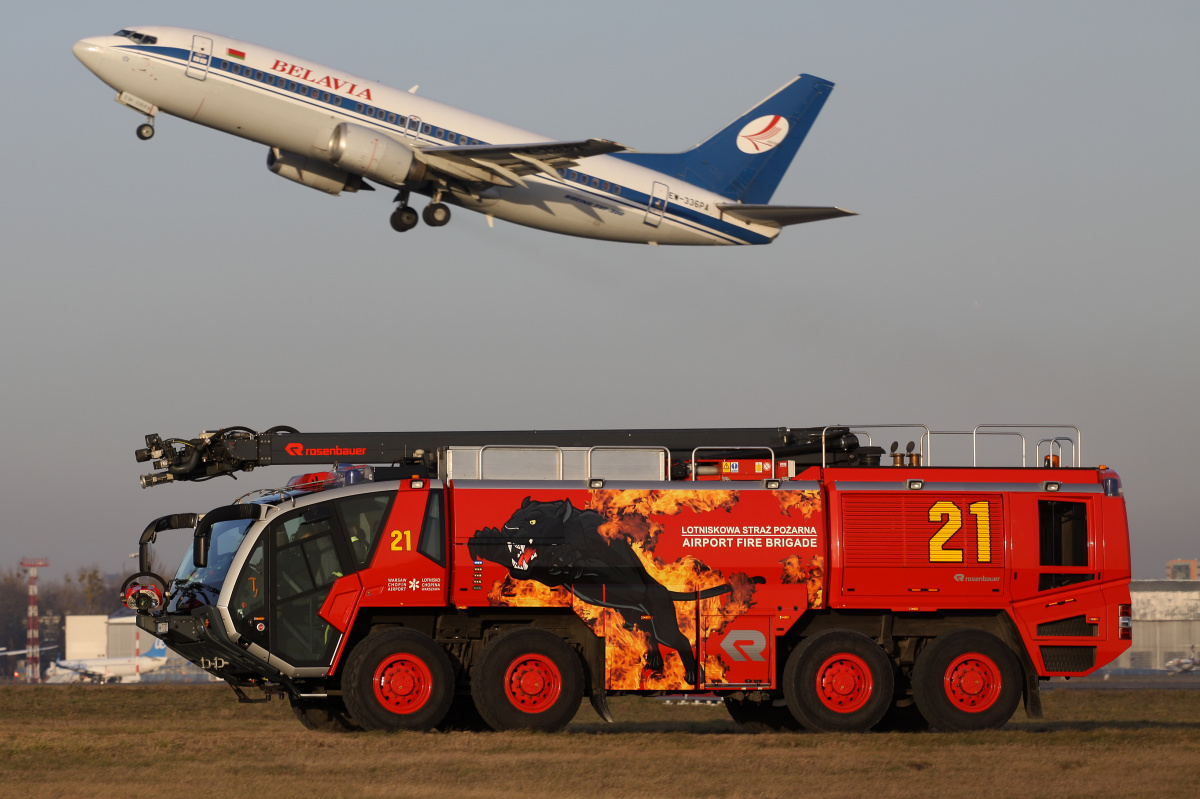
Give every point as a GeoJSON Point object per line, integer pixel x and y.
{"type": "Point", "coordinates": [746, 160]}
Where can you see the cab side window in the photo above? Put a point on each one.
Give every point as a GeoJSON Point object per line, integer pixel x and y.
{"type": "Point", "coordinates": [1063, 530]}
{"type": "Point", "coordinates": [362, 518]}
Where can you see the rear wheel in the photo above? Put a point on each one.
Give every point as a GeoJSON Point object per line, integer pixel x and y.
{"type": "Point", "coordinates": [436, 214]}
{"type": "Point", "coordinates": [838, 681]}
{"type": "Point", "coordinates": [967, 680]}
{"type": "Point", "coordinates": [398, 680]}
{"type": "Point", "coordinates": [323, 715]}
{"type": "Point", "coordinates": [527, 679]}
{"type": "Point", "coordinates": [761, 716]}
{"type": "Point", "coordinates": [404, 218]}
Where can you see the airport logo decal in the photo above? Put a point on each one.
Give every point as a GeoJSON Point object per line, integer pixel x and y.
{"type": "Point", "coordinates": [762, 134]}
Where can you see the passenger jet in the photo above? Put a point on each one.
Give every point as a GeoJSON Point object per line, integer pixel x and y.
{"type": "Point", "coordinates": [336, 132]}
{"type": "Point", "coordinates": [109, 670]}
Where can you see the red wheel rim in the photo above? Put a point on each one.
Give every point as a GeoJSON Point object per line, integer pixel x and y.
{"type": "Point", "coordinates": [844, 683]}
{"type": "Point", "coordinates": [973, 682]}
{"type": "Point", "coordinates": [403, 683]}
{"type": "Point", "coordinates": [533, 683]}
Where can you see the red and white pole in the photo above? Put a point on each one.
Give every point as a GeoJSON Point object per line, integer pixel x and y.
{"type": "Point", "coordinates": [33, 657]}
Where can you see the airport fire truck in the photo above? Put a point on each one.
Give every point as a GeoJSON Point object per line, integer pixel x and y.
{"type": "Point", "coordinates": [804, 575]}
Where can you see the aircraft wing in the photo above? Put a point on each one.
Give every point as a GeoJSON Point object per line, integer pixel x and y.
{"type": "Point", "coordinates": [14, 652]}
{"type": "Point", "coordinates": [781, 215]}
{"type": "Point", "coordinates": [508, 164]}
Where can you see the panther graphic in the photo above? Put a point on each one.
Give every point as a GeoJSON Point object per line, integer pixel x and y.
{"type": "Point", "coordinates": [557, 544]}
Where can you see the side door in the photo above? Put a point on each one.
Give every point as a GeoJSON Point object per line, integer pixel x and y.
{"type": "Point", "coordinates": [658, 204]}
{"type": "Point", "coordinates": [200, 58]}
{"type": "Point", "coordinates": [307, 554]}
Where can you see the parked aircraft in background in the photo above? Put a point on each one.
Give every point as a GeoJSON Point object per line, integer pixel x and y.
{"type": "Point", "coordinates": [333, 131]}
{"type": "Point", "coordinates": [1181, 665]}
{"type": "Point", "coordinates": [108, 670]}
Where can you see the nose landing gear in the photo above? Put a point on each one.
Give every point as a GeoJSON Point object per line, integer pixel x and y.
{"type": "Point", "coordinates": [145, 130]}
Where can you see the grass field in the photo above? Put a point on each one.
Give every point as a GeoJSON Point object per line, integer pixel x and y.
{"type": "Point", "coordinates": [130, 741]}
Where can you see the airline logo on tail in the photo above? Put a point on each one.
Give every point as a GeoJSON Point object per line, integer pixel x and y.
{"type": "Point", "coordinates": [762, 134]}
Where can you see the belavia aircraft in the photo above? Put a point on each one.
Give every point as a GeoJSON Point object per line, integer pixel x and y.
{"type": "Point", "coordinates": [335, 132]}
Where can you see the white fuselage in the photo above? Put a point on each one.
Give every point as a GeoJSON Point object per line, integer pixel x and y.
{"type": "Point", "coordinates": [293, 104]}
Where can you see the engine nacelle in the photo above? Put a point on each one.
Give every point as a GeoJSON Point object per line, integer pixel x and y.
{"type": "Point", "coordinates": [312, 173]}
{"type": "Point", "coordinates": [362, 151]}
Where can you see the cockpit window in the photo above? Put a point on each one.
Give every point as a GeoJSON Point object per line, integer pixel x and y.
{"type": "Point", "coordinates": [134, 36]}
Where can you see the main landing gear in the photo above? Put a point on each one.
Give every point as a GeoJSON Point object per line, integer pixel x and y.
{"type": "Point", "coordinates": [404, 218]}
{"type": "Point", "coordinates": [146, 129]}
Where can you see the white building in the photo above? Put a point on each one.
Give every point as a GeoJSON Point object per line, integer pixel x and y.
{"type": "Point", "coordinates": [1166, 623]}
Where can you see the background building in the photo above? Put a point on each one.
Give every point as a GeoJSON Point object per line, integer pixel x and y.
{"type": "Point", "coordinates": [1166, 623]}
{"type": "Point", "coordinates": [1182, 569]}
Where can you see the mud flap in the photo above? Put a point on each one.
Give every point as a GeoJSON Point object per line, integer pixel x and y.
{"type": "Point", "coordinates": [599, 700]}
{"type": "Point", "coordinates": [1033, 696]}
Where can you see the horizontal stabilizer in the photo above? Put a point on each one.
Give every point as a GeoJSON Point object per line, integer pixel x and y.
{"type": "Point", "coordinates": [782, 215]}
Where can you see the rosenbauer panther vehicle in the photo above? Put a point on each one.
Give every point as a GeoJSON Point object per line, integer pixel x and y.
{"type": "Point", "coordinates": [807, 578]}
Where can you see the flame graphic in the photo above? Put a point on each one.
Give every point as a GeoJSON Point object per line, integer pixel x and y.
{"type": "Point", "coordinates": [807, 502]}
{"type": "Point", "coordinates": [811, 570]}
{"type": "Point", "coordinates": [626, 646]}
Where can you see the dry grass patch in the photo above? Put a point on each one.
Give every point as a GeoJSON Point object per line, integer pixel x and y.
{"type": "Point", "coordinates": [123, 740]}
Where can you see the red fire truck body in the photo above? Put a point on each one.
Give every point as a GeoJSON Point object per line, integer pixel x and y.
{"type": "Point", "coordinates": [837, 597]}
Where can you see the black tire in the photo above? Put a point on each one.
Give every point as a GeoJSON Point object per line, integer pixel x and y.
{"type": "Point", "coordinates": [838, 681]}
{"type": "Point", "coordinates": [436, 214]}
{"type": "Point", "coordinates": [967, 680]}
{"type": "Point", "coordinates": [527, 679]}
{"type": "Point", "coordinates": [145, 131]}
{"type": "Point", "coordinates": [463, 716]}
{"type": "Point", "coordinates": [323, 715]}
{"type": "Point", "coordinates": [761, 716]}
{"type": "Point", "coordinates": [404, 218]}
{"type": "Point", "coordinates": [398, 679]}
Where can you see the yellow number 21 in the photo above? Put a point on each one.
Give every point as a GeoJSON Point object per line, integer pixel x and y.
{"type": "Point", "coordinates": [950, 512]}
{"type": "Point", "coordinates": [401, 540]}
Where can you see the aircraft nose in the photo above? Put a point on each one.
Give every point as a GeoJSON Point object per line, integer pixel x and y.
{"type": "Point", "coordinates": [87, 51]}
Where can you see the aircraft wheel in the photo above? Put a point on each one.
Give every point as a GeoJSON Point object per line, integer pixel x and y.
{"type": "Point", "coordinates": [323, 715]}
{"type": "Point", "coordinates": [145, 131]}
{"type": "Point", "coordinates": [404, 218]}
{"type": "Point", "coordinates": [527, 679]}
{"type": "Point", "coordinates": [761, 716]}
{"type": "Point", "coordinates": [967, 680]}
{"type": "Point", "coordinates": [436, 214]}
{"type": "Point", "coordinates": [398, 679]}
{"type": "Point", "coordinates": [838, 681]}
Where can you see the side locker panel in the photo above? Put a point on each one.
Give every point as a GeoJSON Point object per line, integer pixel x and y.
{"type": "Point", "coordinates": [407, 570]}
{"type": "Point", "coordinates": [688, 587]}
{"type": "Point", "coordinates": [922, 548]}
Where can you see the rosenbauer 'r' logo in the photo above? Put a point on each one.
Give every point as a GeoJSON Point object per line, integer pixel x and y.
{"type": "Point", "coordinates": [762, 134]}
{"type": "Point", "coordinates": [296, 449]}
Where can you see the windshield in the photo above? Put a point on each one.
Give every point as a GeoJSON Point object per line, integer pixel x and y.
{"type": "Point", "coordinates": [192, 586]}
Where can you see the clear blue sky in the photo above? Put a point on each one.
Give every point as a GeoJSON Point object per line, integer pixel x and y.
{"type": "Point", "coordinates": [1026, 173]}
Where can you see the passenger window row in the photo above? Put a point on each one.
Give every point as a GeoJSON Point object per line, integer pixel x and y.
{"type": "Point", "coordinates": [281, 81]}
{"type": "Point", "coordinates": [595, 183]}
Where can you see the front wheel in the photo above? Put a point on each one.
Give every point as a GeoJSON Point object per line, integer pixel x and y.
{"type": "Point", "coordinates": [527, 679]}
{"type": "Point", "coordinates": [398, 679]}
{"type": "Point", "coordinates": [967, 680]}
{"type": "Point", "coordinates": [838, 681]}
{"type": "Point", "coordinates": [145, 131]}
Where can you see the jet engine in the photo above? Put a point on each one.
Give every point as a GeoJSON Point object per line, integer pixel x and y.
{"type": "Point", "coordinates": [362, 151]}
{"type": "Point", "coordinates": [313, 173]}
